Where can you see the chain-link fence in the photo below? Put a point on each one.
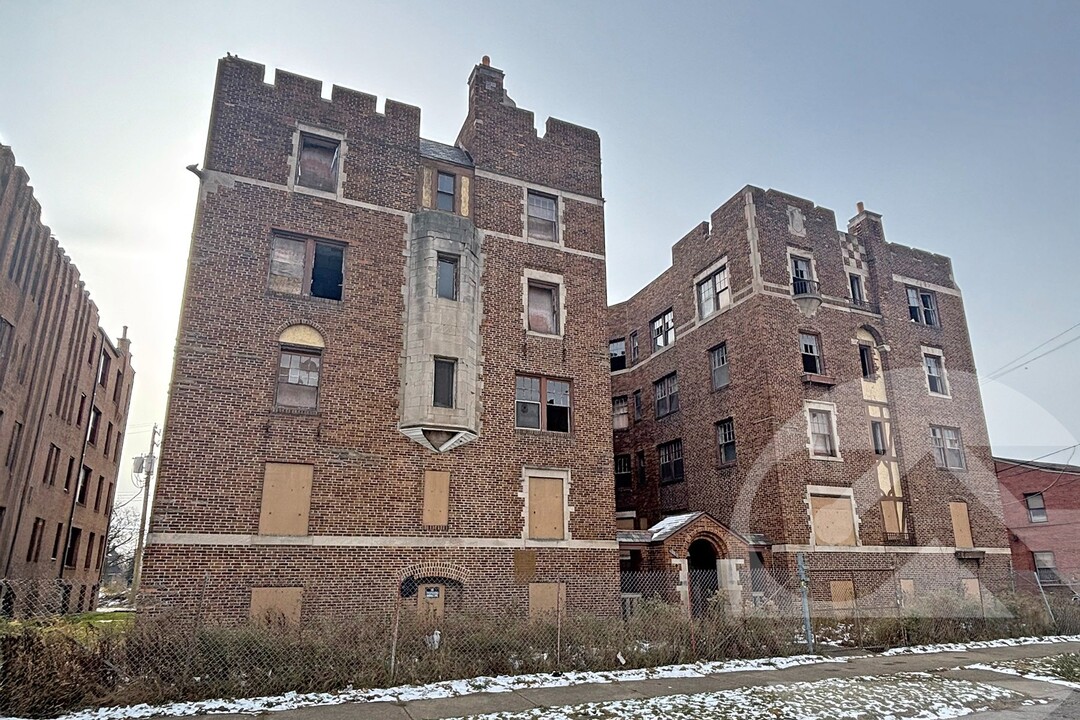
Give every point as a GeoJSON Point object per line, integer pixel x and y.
{"type": "Point", "coordinates": [50, 663]}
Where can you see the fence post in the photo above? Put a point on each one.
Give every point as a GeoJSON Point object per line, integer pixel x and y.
{"type": "Point", "coordinates": [804, 585]}
{"type": "Point", "coordinates": [559, 589]}
{"type": "Point", "coordinates": [855, 605]}
{"type": "Point", "coordinates": [394, 639]}
{"type": "Point", "coordinates": [1038, 581]}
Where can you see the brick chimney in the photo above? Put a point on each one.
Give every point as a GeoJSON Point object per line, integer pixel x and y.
{"type": "Point", "coordinates": [866, 226]}
{"type": "Point", "coordinates": [486, 90]}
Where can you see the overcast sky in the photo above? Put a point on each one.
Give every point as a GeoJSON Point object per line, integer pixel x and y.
{"type": "Point", "coordinates": [958, 121]}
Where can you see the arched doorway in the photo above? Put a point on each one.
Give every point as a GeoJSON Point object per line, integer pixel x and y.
{"type": "Point", "coordinates": [703, 579]}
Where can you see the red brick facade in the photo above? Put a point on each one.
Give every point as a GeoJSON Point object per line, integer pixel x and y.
{"type": "Point", "coordinates": [770, 396]}
{"type": "Point", "coordinates": [61, 428]}
{"type": "Point", "coordinates": [376, 443]}
{"type": "Point", "coordinates": [1042, 511]}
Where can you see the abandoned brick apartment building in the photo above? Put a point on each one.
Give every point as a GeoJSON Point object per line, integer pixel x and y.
{"type": "Point", "coordinates": [64, 395]}
{"type": "Point", "coordinates": [786, 388]}
{"type": "Point", "coordinates": [391, 383]}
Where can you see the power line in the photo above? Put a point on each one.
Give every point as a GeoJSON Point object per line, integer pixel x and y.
{"type": "Point", "coordinates": [1019, 466]}
{"type": "Point", "coordinates": [1008, 367]}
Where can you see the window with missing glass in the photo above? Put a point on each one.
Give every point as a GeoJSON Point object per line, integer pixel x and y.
{"type": "Point", "coordinates": [443, 395]}
{"type": "Point", "coordinates": [922, 306]}
{"type": "Point", "coordinates": [713, 293]}
{"type": "Point", "coordinates": [543, 215]}
{"type": "Point", "coordinates": [718, 366]}
{"type": "Point", "coordinates": [948, 447]}
{"type": "Point", "coordinates": [298, 378]}
{"type": "Point", "coordinates": [542, 404]}
{"type": "Point", "coordinates": [319, 162]}
{"type": "Point", "coordinates": [671, 461]}
{"type": "Point", "coordinates": [855, 281]}
{"type": "Point", "coordinates": [725, 440]}
{"type": "Point", "coordinates": [635, 351]}
{"type": "Point", "coordinates": [444, 191]}
{"type": "Point", "coordinates": [617, 354]}
{"type": "Point", "coordinates": [446, 277]}
{"type": "Point", "coordinates": [663, 329]}
{"type": "Point", "coordinates": [666, 391]}
{"type": "Point", "coordinates": [810, 346]}
{"type": "Point", "coordinates": [306, 266]}
{"type": "Point", "coordinates": [624, 477]}
{"type": "Point", "coordinates": [935, 374]}
{"type": "Point", "coordinates": [1036, 507]}
{"type": "Point", "coordinates": [866, 362]}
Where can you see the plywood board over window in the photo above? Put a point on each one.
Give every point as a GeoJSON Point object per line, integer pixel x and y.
{"type": "Point", "coordinates": [547, 599]}
{"type": "Point", "coordinates": [270, 604]}
{"type": "Point", "coordinates": [286, 499]}
{"type": "Point", "coordinates": [843, 594]}
{"type": "Point", "coordinates": [961, 525]}
{"type": "Point", "coordinates": [546, 518]}
{"type": "Point", "coordinates": [833, 520]}
{"type": "Point", "coordinates": [436, 498]}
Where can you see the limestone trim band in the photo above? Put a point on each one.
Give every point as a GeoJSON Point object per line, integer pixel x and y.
{"type": "Point", "coordinates": [248, 540]}
{"type": "Point", "coordinates": [895, 549]}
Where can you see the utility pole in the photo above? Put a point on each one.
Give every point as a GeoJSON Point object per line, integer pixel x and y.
{"type": "Point", "coordinates": [148, 471]}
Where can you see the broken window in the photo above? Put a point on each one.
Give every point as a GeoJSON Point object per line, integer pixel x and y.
{"type": "Point", "coordinates": [948, 447]}
{"type": "Point", "coordinates": [718, 366]}
{"type": "Point", "coordinates": [617, 352]}
{"type": "Point", "coordinates": [1046, 568]}
{"type": "Point", "coordinates": [935, 374]}
{"type": "Point", "coordinates": [822, 433]}
{"type": "Point", "coordinates": [446, 277]}
{"type": "Point", "coordinates": [866, 362]}
{"type": "Point", "coordinates": [811, 353]}
{"type": "Point", "coordinates": [73, 547]}
{"type": "Point", "coordinates": [83, 486]}
{"type": "Point", "coordinates": [802, 276]}
{"type": "Point", "coordinates": [922, 306]}
{"type": "Point", "coordinates": [623, 472]}
{"type": "Point", "coordinates": [95, 425]}
{"type": "Point", "coordinates": [444, 382]}
{"type": "Point", "coordinates": [543, 217]}
{"type": "Point", "coordinates": [635, 351]}
{"type": "Point", "coordinates": [725, 438]}
{"type": "Point", "coordinates": [543, 308]}
{"type": "Point", "coordinates": [118, 387]}
{"type": "Point", "coordinates": [620, 413]}
{"type": "Point", "coordinates": [444, 192]}
{"type": "Point", "coordinates": [103, 371]}
{"type": "Point", "coordinates": [667, 395]}
{"type": "Point", "coordinates": [318, 163]}
{"type": "Point", "coordinates": [304, 266]}
{"type": "Point", "coordinates": [713, 293]}
{"type": "Point", "coordinates": [855, 281]}
{"type": "Point", "coordinates": [663, 329]}
{"type": "Point", "coordinates": [671, 462]}
{"type": "Point", "coordinates": [542, 404]}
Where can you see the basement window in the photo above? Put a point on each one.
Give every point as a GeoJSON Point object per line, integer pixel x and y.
{"type": "Point", "coordinates": [317, 166]}
{"type": "Point", "coordinates": [305, 266]}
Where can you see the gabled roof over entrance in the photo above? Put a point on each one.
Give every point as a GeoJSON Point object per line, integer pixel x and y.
{"type": "Point", "coordinates": [684, 527]}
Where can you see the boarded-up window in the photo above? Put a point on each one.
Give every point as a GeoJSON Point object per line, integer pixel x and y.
{"type": "Point", "coordinates": [907, 591]}
{"type": "Point", "coordinates": [543, 308]}
{"type": "Point", "coordinates": [272, 604]}
{"type": "Point", "coordinates": [833, 520]}
{"type": "Point", "coordinates": [436, 498]}
{"type": "Point", "coordinates": [431, 601]}
{"type": "Point", "coordinates": [843, 594]}
{"type": "Point", "coordinates": [304, 266]}
{"type": "Point", "coordinates": [318, 165]}
{"type": "Point", "coordinates": [286, 499]}
{"type": "Point", "coordinates": [546, 519]}
{"type": "Point", "coordinates": [287, 257]}
{"type": "Point", "coordinates": [547, 599]}
{"type": "Point", "coordinates": [961, 526]}
{"type": "Point", "coordinates": [524, 565]}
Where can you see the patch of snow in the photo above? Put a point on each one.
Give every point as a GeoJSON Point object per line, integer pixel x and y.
{"type": "Point", "coordinates": [980, 645]}
{"type": "Point", "coordinates": [1006, 669]}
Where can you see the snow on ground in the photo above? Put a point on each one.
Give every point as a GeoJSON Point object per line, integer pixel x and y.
{"type": "Point", "coordinates": [508, 683]}
{"type": "Point", "coordinates": [980, 645]}
{"type": "Point", "coordinates": [910, 695]}
{"type": "Point", "coordinates": [1030, 668]}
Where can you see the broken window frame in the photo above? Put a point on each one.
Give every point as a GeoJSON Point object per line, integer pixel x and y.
{"type": "Point", "coordinates": [617, 354]}
{"type": "Point", "coordinates": [546, 397]}
{"type": "Point", "coordinates": [302, 353]}
{"type": "Point", "coordinates": [922, 307]}
{"type": "Point", "coordinates": [725, 441]}
{"type": "Point", "coordinates": [813, 360]}
{"type": "Point", "coordinates": [552, 318]}
{"type": "Point", "coordinates": [855, 285]}
{"type": "Point", "coordinates": [313, 180]}
{"type": "Point", "coordinates": [663, 329]}
{"type": "Point", "coordinates": [866, 362]}
{"type": "Point", "coordinates": [307, 277]}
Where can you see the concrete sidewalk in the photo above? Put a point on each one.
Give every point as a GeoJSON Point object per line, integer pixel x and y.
{"type": "Point", "coordinates": [1059, 698]}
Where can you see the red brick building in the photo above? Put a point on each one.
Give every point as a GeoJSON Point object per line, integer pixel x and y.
{"type": "Point", "coordinates": [1042, 511]}
{"type": "Point", "coordinates": [64, 395]}
{"type": "Point", "coordinates": [813, 391]}
{"type": "Point", "coordinates": [390, 383]}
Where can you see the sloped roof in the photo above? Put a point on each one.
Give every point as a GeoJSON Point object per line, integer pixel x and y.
{"type": "Point", "coordinates": [670, 525]}
{"type": "Point", "coordinates": [445, 153]}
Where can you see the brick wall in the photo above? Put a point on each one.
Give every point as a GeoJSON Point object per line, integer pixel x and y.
{"type": "Point", "coordinates": [1059, 486]}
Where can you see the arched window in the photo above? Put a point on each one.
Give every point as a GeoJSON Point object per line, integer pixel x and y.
{"type": "Point", "coordinates": [299, 368]}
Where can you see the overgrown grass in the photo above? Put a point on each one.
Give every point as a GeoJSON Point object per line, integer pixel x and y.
{"type": "Point", "coordinates": [1067, 667]}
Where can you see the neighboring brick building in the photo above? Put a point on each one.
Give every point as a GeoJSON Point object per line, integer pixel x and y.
{"type": "Point", "coordinates": [64, 394]}
{"type": "Point", "coordinates": [390, 382]}
{"type": "Point", "coordinates": [813, 391]}
{"type": "Point", "coordinates": [1042, 512]}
